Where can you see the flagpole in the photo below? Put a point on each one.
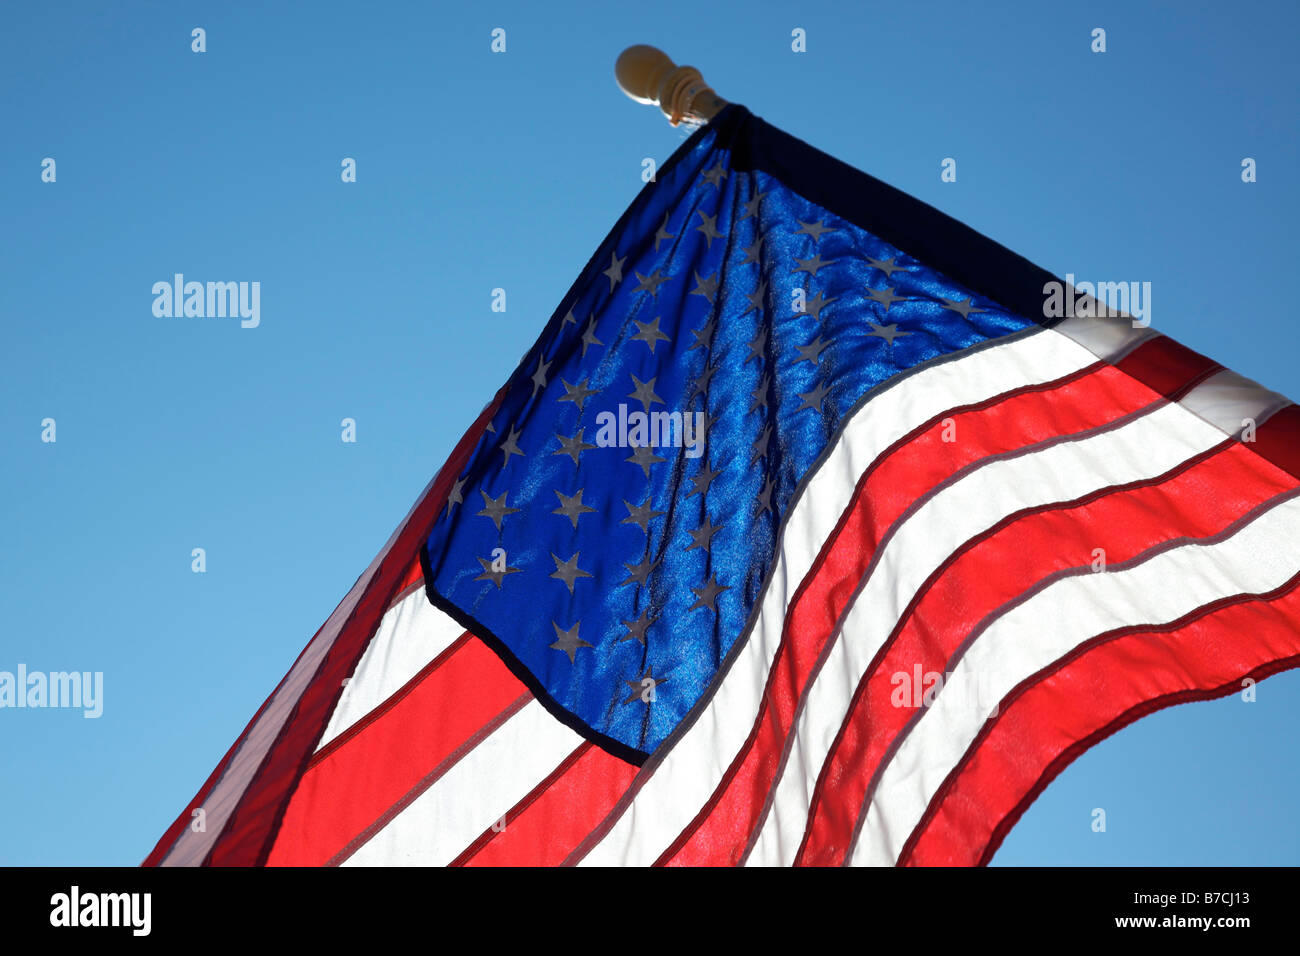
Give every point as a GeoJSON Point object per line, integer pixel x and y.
{"type": "Point", "coordinates": [647, 75]}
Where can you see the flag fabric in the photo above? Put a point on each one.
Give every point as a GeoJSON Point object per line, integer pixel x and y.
{"type": "Point", "coordinates": [808, 532]}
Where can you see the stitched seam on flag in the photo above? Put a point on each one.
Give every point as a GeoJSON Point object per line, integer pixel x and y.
{"type": "Point", "coordinates": [429, 779]}
{"type": "Point", "coordinates": [390, 702]}
{"type": "Point", "coordinates": [970, 544]}
{"type": "Point", "coordinates": [1267, 411]}
{"type": "Point", "coordinates": [1182, 392]}
{"type": "Point", "coordinates": [960, 475]}
{"type": "Point", "coordinates": [1121, 422]}
{"type": "Point", "coordinates": [405, 593]}
{"type": "Point", "coordinates": [1213, 369]}
{"type": "Point", "coordinates": [687, 722]}
{"type": "Point", "coordinates": [1023, 687]}
{"type": "Point", "coordinates": [828, 546]}
{"type": "Point", "coordinates": [1068, 756]}
{"type": "Point", "coordinates": [995, 615]}
{"type": "Point", "coordinates": [828, 645]}
{"type": "Point", "coordinates": [1260, 419]}
{"type": "Point", "coordinates": [1116, 356]}
{"type": "Point", "coordinates": [488, 835]}
{"type": "Point", "coordinates": [1139, 559]}
{"type": "Point", "coordinates": [1295, 436]}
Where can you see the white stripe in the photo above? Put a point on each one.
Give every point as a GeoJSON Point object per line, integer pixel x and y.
{"type": "Point", "coordinates": [1230, 402]}
{"type": "Point", "coordinates": [689, 773]}
{"type": "Point", "coordinates": [1105, 337]}
{"type": "Point", "coordinates": [191, 847]}
{"type": "Point", "coordinates": [474, 794]}
{"type": "Point", "coordinates": [411, 634]}
{"type": "Point", "coordinates": [1143, 448]}
{"type": "Point", "coordinates": [1258, 558]}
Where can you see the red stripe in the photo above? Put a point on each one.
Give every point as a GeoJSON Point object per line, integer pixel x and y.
{"type": "Point", "coordinates": [544, 827]}
{"type": "Point", "coordinates": [522, 806]}
{"type": "Point", "coordinates": [181, 822]}
{"type": "Point", "coordinates": [412, 580]}
{"type": "Point", "coordinates": [250, 830]}
{"type": "Point", "coordinates": [993, 569]}
{"type": "Point", "coordinates": [422, 786]}
{"type": "Point", "coordinates": [1052, 717]}
{"type": "Point", "coordinates": [393, 700]}
{"type": "Point", "coordinates": [720, 831]}
{"type": "Point", "coordinates": [1279, 442]}
{"type": "Point", "coordinates": [361, 775]}
{"type": "Point", "coordinates": [1162, 364]}
{"type": "Point", "coordinates": [1166, 367]}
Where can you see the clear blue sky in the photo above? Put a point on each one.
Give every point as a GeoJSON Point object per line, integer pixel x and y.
{"type": "Point", "coordinates": [478, 171]}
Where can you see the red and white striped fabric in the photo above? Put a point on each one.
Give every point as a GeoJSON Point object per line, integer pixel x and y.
{"type": "Point", "coordinates": [1128, 509]}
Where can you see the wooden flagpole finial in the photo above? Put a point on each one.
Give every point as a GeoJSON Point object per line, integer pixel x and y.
{"type": "Point", "coordinates": [648, 76]}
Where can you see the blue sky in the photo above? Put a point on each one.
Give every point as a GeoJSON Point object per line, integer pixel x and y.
{"type": "Point", "coordinates": [475, 171]}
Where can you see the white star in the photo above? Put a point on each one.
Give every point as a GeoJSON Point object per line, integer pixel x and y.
{"type": "Point", "coordinates": [456, 497]}
{"type": "Point", "coordinates": [568, 572]}
{"type": "Point", "coordinates": [539, 376]}
{"type": "Point", "coordinates": [964, 307]}
{"type": "Point", "coordinates": [812, 265]}
{"type": "Point", "coordinates": [884, 265]}
{"type": "Point", "coordinates": [751, 207]}
{"type": "Point", "coordinates": [885, 297]}
{"type": "Point", "coordinates": [815, 305]}
{"type": "Point", "coordinates": [650, 283]}
{"type": "Point", "coordinates": [648, 332]}
{"type": "Point", "coordinates": [645, 393]}
{"type": "Point", "coordinates": [663, 235]}
{"type": "Point", "coordinates": [814, 229]}
{"type": "Point", "coordinates": [511, 446]}
{"type": "Point", "coordinates": [709, 227]}
{"type": "Point", "coordinates": [615, 270]}
{"type": "Point", "coordinates": [568, 641]}
{"type": "Point", "coordinates": [707, 286]}
{"type": "Point", "coordinates": [814, 398]}
{"type": "Point", "coordinates": [589, 336]}
{"type": "Point", "coordinates": [716, 175]}
{"type": "Point", "coordinates": [886, 332]}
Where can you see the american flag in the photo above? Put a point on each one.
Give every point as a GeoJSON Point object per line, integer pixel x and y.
{"type": "Point", "coordinates": [800, 536]}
